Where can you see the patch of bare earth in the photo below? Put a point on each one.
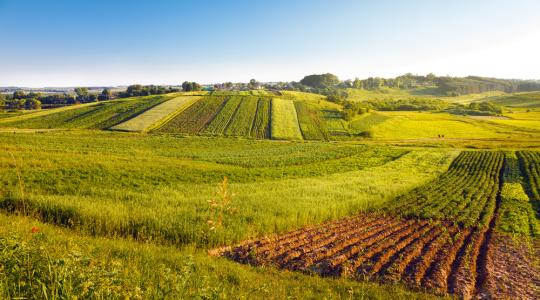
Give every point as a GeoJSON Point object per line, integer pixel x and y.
{"type": "Point", "coordinates": [437, 256]}
{"type": "Point", "coordinates": [512, 269]}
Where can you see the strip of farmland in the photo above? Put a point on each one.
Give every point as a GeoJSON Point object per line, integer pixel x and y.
{"type": "Point", "coordinates": [195, 118]}
{"type": "Point", "coordinates": [242, 122]}
{"type": "Point", "coordinates": [261, 124]}
{"type": "Point", "coordinates": [284, 124]}
{"type": "Point", "coordinates": [157, 115]}
{"type": "Point", "coordinates": [225, 115]}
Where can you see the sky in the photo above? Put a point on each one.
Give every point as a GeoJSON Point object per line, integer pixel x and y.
{"type": "Point", "coordinates": [119, 42]}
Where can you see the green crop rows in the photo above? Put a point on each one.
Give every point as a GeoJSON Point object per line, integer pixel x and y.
{"type": "Point", "coordinates": [242, 123]}
{"type": "Point", "coordinates": [224, 116]}
{"type": "Point", "coordinates": [466, 193]}
{"type": "Point", "coordinates": [194, 118]}
{"type": "Point", "coordinates": [310, 123]}
{"type": "Point", "coordinates": [261, 124]}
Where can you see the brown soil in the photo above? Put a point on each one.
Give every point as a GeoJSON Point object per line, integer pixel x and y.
{"type": "Point", "coordinates": [440, 257]}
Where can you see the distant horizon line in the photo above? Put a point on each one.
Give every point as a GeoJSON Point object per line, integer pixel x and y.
{"type": "Point", "coordinates": [235, 82]}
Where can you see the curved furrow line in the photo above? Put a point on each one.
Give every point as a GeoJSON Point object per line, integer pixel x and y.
{"type": "Point", "coordinates": [415, 271]}
{"type": "Point", "coordinates": [396, 244]}
{"type": "Point", "coordinates": [304, 256]}
{"type": "Point", "coordinates": [394, 268]}
{"type": "Point", "coordinates": [332, 263]}
{"type": "Point", "coordinates": [436, 277]}
{"type": "Point", "coordinates": [462, 279]}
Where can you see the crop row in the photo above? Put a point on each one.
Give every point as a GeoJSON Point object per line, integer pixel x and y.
{"type": "Point", "coordinates": [194, 119]}
{"type": "Point", "coordinates": [310, 123]}
{"type": "Point", "coordinates": [242, 122]}
{"type": "Point", "coordinates": [223, 117]}
{"type": "Point", "coordinates": [261, 123]}
{"type": "Point", "coordinates": [530, 163]}
{"type": "Point", "coordinates": [466, 193]}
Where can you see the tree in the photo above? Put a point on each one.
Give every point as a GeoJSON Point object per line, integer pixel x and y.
{"type": "Point", "coordinates": [191, 86]}
{"type": "Point", "coordinates": [32, 103]}
{"type": "Point", "coordinates": [19, 95]}
{"type": "Point", "coordinates": [106, 94]}
{"type": "Point", "coordinates": [253, 84]}
{"type": "Point", "coordinates": [82, 94]}
{"type": "Point", "coordinates": [2, 100]}
{"type": "Point", "coordinates": [320, 81]}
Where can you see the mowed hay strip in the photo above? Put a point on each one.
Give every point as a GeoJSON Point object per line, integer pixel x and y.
{"type": "Point", "coordinates": [157, 115]}
{"type": "Point", "coordinates": [284, 122]}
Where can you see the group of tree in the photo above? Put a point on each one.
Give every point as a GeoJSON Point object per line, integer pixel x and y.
{"type": "Point", "coordinates": [191, 86]}
{"type": "Point", "coordinates": [20, 100]}
{"type": "Point", "coordinates": [137, 90]}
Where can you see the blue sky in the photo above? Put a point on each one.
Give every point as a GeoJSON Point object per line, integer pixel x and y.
{"type": "Point", "coordinates": [114, 42]}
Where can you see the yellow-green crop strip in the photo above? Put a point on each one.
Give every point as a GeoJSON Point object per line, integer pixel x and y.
{"type": "Point", "coordinates": [158, 115]}
{"type": "Point", "coordinates": [284, 120]}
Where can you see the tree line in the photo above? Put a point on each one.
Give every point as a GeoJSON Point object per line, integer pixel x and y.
{"type": "Point", "coordinates": [21, 100]}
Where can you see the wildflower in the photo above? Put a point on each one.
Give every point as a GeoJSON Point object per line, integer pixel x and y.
{"type": "Point", "coordinates": [34, 230]}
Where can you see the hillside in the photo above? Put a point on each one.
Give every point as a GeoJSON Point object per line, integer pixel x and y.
{"type": "Point", "coordinates": [289, 115]}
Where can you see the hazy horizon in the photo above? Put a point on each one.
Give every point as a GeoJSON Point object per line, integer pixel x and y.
{"type": "Point", "coordinates": [66, 44]}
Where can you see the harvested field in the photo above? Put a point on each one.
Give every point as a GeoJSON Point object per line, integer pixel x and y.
{"type": "Point", "coordinates": [440, 257]}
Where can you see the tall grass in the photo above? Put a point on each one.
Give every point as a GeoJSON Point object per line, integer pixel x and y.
{"type": "Point", "coordinates": [161, 195]}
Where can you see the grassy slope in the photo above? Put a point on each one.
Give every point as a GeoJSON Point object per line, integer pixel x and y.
{"type": "Point", "coordinates": [416, 125]}
{"type": "Point", "coordinates": [158, 187]}
{"type": "Point", "coordinates": [523, 100]}
{"type": "Point", "coordinates": [156, 115]}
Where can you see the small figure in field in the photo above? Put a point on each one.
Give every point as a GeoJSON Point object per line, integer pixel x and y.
{"type": "Point", "coordinates": [438, 135]}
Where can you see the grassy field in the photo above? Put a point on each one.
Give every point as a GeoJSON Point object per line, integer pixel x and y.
{"type": "Point", "coordinates": [428, 125]}
{"type": "Point", "coordinates": [523, 100]}
{"type": "Point", "coordinates": [284, 120]}
{"type": "Point", "coordinates": [156, 188]}
{"type": "Point", "coordinates": [157, 115]}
